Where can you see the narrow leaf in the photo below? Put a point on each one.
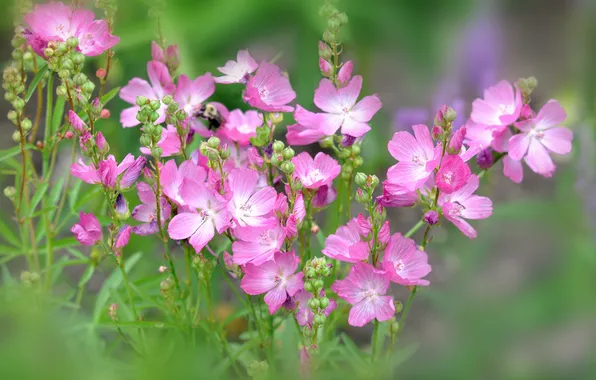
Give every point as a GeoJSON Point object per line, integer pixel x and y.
{"type": "Point", "coordinates": [58, 114]}
{"type": "Point", "coordinates": [35, 81]}
{"type": "Point", "coordinates": [8, 234]}
{"type": "Point", "coordinates": [109, 95]}
{"type": "Point", "coordinates": [87, 275]}
{"type": "Point", "coordinates": [39, 193]}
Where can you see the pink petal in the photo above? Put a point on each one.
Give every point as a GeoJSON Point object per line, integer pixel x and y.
{"type": "Point", "coordinates": [384, 308]}
{"type": "Point", "coordinates": [327, 97]}
{"type": "Point", "coordinates": [184, 225]}
{"type": "Point", "coordinates": [275, 298]}
{"type": "Point", "coordinates": [365, 109]}
{"type": "Point", "coordinates": [349, 94]}
{"type": "Point", "coordinates": [128, 117]}
{"type": "Point", "coordinates": [354, 128]}
{"type": "Point", "coordinates": [477, 207]}
{"type": "Point", "coordinates": [518, 146]}
{"type": "Point", "coordinates": [539, 160]}
{"type": "Point", "coordinates": [550, 115]}
{"type": "Point", "coordinates": [361, 313]}
{"type": "Point", "coordinates": [202, 235]}
{"type": "Point", "coordinates": [558, 140]}
{"type": "Point", "coordinates": [513, 169]}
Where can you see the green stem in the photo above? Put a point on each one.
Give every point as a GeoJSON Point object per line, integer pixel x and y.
{"type": "Point", "coordinates": [128, 289]}
{"type": "Point", "coordinates": [374, 342]}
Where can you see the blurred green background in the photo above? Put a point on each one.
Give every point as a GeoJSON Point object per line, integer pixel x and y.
{"type": "Point", "coordinates": [518, 302]}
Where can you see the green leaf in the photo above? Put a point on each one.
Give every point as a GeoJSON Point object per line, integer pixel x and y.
{"type": "Point", "coordinates": [62, 243]}
{"type": "Point", "coordinates": [87, 275]}
{"type": "Point", "coordinates": [14, 151]}
{"type": "Point", "coordinates": [39, 193]}
{"type": "Point", "coordinates": [35, 81]}
{"type": "Point", "coordinates": [8, 234]}
{"type": "Point", "coordinates": [58, 114]}
{"type": "Point", "coordinates": [7, 278]}
{"type": "Point", "coordinates": [109, 95]}
{"type": "Point", "coordinates": [351, 349]}
{"type": "Point", "coordinates": [73, 193]}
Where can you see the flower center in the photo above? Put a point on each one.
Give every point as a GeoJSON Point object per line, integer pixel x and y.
{"type": "Point", "coordinates": [370, 294]}
{"type": "Point", "coordinates": [504, 109]}
{"type": "Point", "coordinates": [416, 159]}
{"type": "Point", "coordinates": [447, 176]}
{"type": "Point", "coordinates": [265, 239]}
{"type": "Point", "coordinates": [456, 209]}
{"type": "Point", "coordinates": [280, 280]}
{"type": "Point", "coordinates": [315, 175]}
{"type": "Point", "coordinates": [537, 134]}
{"type": "Point", "coordinates": [399, 266]}
{"type": "Point", "coordinates": [263, 92]}
{"type": "Point", "coordinates": [345, 111]}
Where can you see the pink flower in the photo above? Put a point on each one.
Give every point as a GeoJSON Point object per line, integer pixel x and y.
{"type": "Point", "coordinates": [325, 67]}
{"type": "Point", "coordinates": [346, 244]}
{"type": "Point", "coordinates": [240, 127]}
{"type": "Point", "coordinates": [171, 56]}
{"type": "Point", "coordinates": [341, 107]}
{"type": "Point", "coordinates": [324, 196]}
{"type": "Point", "coordinates": [169, 143]}
{"type": "Point", "coordinates": [88, 230]}
{"type": "Point", "coordinates": [173, 178]}
{"type": "Point", "coordinates": [191, 94]}
{"type": "Point", "coordinates": [275, 277]}
{"type": "Point", "coordinates": [199, 227]}
{"type": "Point", "coordinates": [304, 314]}
{"type": "Point", "coordinates": [539, 136]}
{"type": "Point", "coordinates": [101, 142]}
{"type": "Point", "coordinates": [501, 106]}
{"type": "Point", "coordinates": [122, 237]}
{"type": "Point", "coordinates": [77, 123]}
{"type": "Point", "coordinates": [416, 156]}
{"type": "Point", "coordinates": [147, 211]}
{"type": "Point", "coordinates": [58, 22]}
{"type": "Point", "coordinates": [161, 85]}
{"type": "Point", "coordinates": [365, 289]}
{"type": "Point", "coordinates": [457, 140]}
{"type": "Point", "coordinates": [309, 128]}
{"type": "Point", "coordinates": [239, 70]}
{"type": "Point", "coordinates": [249, 206]}
{"type": "Point", "coordinates": [87, 173]}
{"type": "Point", "coordinates": [257, 244]}
{"type": "Point", "coordinates": [396, 196]}
{"type": "Point", "coordinates": [462, 204]}
{"type": "Point", "coordinates": [453, 174]}
{"type": "Point", "coordinates": [345, 73]}
{"type": "Point", "coordinates": [109, 172]}
{"type": "Point", "coordinates": [404, 263]}
{"type": "Point", "coordinates": [315, 173]}
{"type": "Point", "coordinates": [269, 90]}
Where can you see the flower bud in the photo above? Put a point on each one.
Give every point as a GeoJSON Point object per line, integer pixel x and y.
{"type": "Point", "coordinates": [360, 179]}
{"type": "Point", "coordinates": [101, 73]}
{"type": "Point", "coordinates": [327, 142]}
{"type": "Point", "coordinates": [10, 96]}
{"type": "Point", "coordinates": [121, 207]}
{"type": "Point", "coordinates": [276, 117]}
{"type": "Point", "coordinates": [141, 101]}
{"type": "Point", "coordinates": [153, 116]}
{"type": "Point", "coordinates": [105, 113]}
{"type": "Point", "coordinates": [357, 162]}
{"type": "Point", "coordinates": [431, 217]}
{"type": "Point", "coordinates": [288, 167]}
{"type": "Point", "coordinates": [26, 125]}
{"type": "Point", "coordinates": [10, 192]}
{"type": "Point", "coordinates": [308, 286]}
{"type": "Point", "coordinates": [485, 159]}
{"type": "Point", "coordinates": [67, 64]}
{"type": "Point", "coordinates": [278, 146]}
{"type": "Point", "coordinates": [398, 306]}
{"type": "Point", "coordinates": [319, 319]}
{"type": "Point", "coordinates": [329, 37]}
{"type": "Point", "coordinates": [457, 140]}
{"type": "Point", "coordinates": [155, 105]}
{"type": "Point", "coordinates": [288, 153]}
{"type": "Point", "coordinates": [78, 58]}
{"type": "Point", "coordinates": [16, 136]}
{"type": "Point", "coordinates": [526, 86]}
{"type": "Point", "coordinates": [68, 135]}
{"type": "Point", "coordinates": [342, 18]}
{"type": "Point", "coordinates": [325, 67]}
{"type": "Point", "coordinates": [12, 115]}
{"type": "Point", "coordinates": [181, 115]}
{"type": "Point", "coordinates": [88, 87]}
{"type": "Point", "coordinates": [18, 104]}
{"type": "Point", "coordinates": [61, 91]}
{"type": "Point", "coordinates": [48, 52]}
{"type": "Point", "coordinates": [72, 42]}
{"type": "Point", "coordinates": [167, 100]}
{"type": "Point", "coordinates": [324, 51]}
{"type": "Point", "coordinates": [333, 23]}
{"type": "Point", "coordinates": [313, 303]}
{"type": "Point", "coordinates": [437, 133]}
{"type": "Point", "coordinates": [445, 116]}
{"type": "Point", "coordinates": [355, 150]}
{"type": "Point", "coordinates": [213, 142]}
{"type": "Point", "coordinates": [323, 302]}
{"type": "Point", "coordinates": [225, 153]}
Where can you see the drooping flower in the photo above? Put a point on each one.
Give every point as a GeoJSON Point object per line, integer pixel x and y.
{"type": "Point", "coordinates": [269, 90]}
{"type": "Point", "coordinates": [395, 195]}
{"type": "Point", "coordinates": [199, 227]}
{"type": "Point", "coordinates": [365, 289]}
{"type": "Point", "coordinates": [240, 127]}
{"type": "Point", "coordinates": [346, 244]}
{"type": "Point", "coordinates": [147, 211]}
{"type": "Point", "coordinates": [405, 264]}
{"type": "Point", "coordinates": [324, 196]}
{"type": "Point", "coordinates": [500, 106]}
{"type": "Point", "coordinates": [453, 174]}
{"type": "Point", "coordinates": [160, 85]}
{"type": "Point", "coordinates": [88, 230]}
{"type": "Point", "coordinates": [109, 172]}
{"type": "Point", "coordinates": [315, 173]}
{"type": "Point", "coordinates": [56, 22]}
{"type": "Point", "coordinates": [462, 204]}
{"type": "Point", "coordinates": [539, 136]}
{"type": "Point", "coordinates": [239, 70]}
{"type": "Point", "coordinates": [342, 109]}
{"type": "Point", "coordinates": [257, 244]}
{"type": "Point", "coordinates": [250, 206]}
{"type": "Point", "coordinates": [77, 123]}
{"type": "Point", "coordinates": [304, 314]}
{"type": "Point", "coordinates": [416, 156]}
{"type": "Point", "coordinates": [275, 277]}
{"type": "Point", "coordinates": [122, 237]}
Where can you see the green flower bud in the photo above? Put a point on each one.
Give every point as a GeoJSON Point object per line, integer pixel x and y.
{"type": "Point", "coordinates": [327, 142]}
{"type": "Point", "coordinates": [213, 142]}
{"type": "Point", "coordinates": [67, 64]}
{"type": "Point", "coordinates": [17, 55]}
{"type": "Point", "coordinates": [356, 149]}
{"type": "Point", "coordinates": [145, 140]}
{"type": "Point", "coordinates": [213, 155]}
{"type": "Point", "coordinates": [88, 87]}
{"type": "Point", "coordinates": [329, 37]}
{"type": "Point", "coordinates": [278, 146]}
{"type": "Point", "coordinates": [313, 303]}
{"type": "Point", "coordinates": [141, 101]}
{"type": "Point", "coordinates": [318, 284]}
{"type": "Point", "coordinates": [323, 302]}
{"type": "Point", "coordinates": [12, 115]}
{"type": "Point", "coordinates": [61, 91]}
{"type": "Point", "coordinates": [48, 52]}
{"type": "Point", "coordinates": [79, 79]}
{"type": "Point", "coordinates": [63, 73]}
{"type": "Point", "coordinates": [10, 192]}
{"type": "Point", "coordinates": [333, 23]}
{"type": "Point", "coordinates": [393, 327]}
{"type": "Point", "coordinates": [319, 319]}
{"type": "Point", "coordinates": [325, 51]}
{"type": "Point", "coordinates": [16, 136]}
{"type": "Point", "coordinates": [28, 56]}
{"type": "Point", "coordinates": [398, 306]}
{"type": "Point", "coordinates": [72, 42]}
{"type": "Point", "coordinates": [10, 96]}
{"type": "Point", "coordinates": [311, 273]}
{"type": "Point", "coordinates": [276, 117]}
{"type": "Point", "coordinates": [18, 104]}
{"type": "Point", "coordinates": [167, 100]}
{"type": "Point", "coordinates": [288, 167]}
{"type": "Point", "coordinates": [360, 179]}
{"type": "Point", "coordinates": [166, 285]}
{"type": "Point", "coordinates": [357, 162]}
{"type": "Point", "coordinates": [181, 115]}
{"type": "Point", "coordinates": [374, 181]}
{"type": "Point", "coordinates": [288, 153]}
{"type": "Point", "coordinates": [342, 18]}
{"type": "Point", "coordinates": [225, 154]}
{"type": "Point", "coordinates": [78, 58]}
{"type": "Point", "coordinates": [153, 116]}
{"type": "Point", "coordinates": [155, 105]}
{"type": "Point", "coordinates": [156, 152]}
{"type": "Point", "coordinates": [17, 41]}
{"type": "Point", "coordinates": [308, 286]}
{"type": "Point", "coordinates": [26, 125]}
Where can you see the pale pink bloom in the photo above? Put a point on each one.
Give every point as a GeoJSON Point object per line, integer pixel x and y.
{"type": "Point", "coordinates": [132, 172]}
{"type": "Point", "coordinates": [147, 211]}
{"type": "Point", "coordinates": [345, 73]}
{"type": "Point", "coordinates": [240, 127]}
{"type": "Point", "coordinates": [365, 289]}
{"type": "Point", "coordinates": [395, 195]}
{"type": "Point", "coordinates": [250, 206]}
{"type": "Point", "coordinates": [87, 173]}
{"type": "Point", "coordinates": [501, 105]}
{"type": "Point", "coordinates": [239, 70]}
{"type": "Point", "coordinates": [55, 22]}
{"type": "Point", "coordinates": [299, 208]}
{"type": "Point", "coordinates": [257, 244]}
{"type": "Point", "coordinates": [170, 56]}
{"type": "Point", "coordinates": [88, 230]}
{"type": "Point", "coordinates": [191, 94]}
{"type": "Point", "coordinates": [417, 158]}
{"type": "Point", "coordinates": [109, 172]}
{"type": "Point", "coordinates": [254, 157]}
{"type": "Point", "coordinates": [343, 110]}
{"type": "Point", "coordinates": [160, 85]}
{"type": "Point", "coordinates": [169, 142]}
{"type": "Point", "coordinates": [304, 314]}
{"type": "Point", "coordinates": [309, 128]}
{"type": "Point", "coordinates": [77, 123]}
{"type": "Point", "coordinates": [315, 173]}
{"type": "Point", "coordinates": [453, 174]}
{"type": "Point", "coordinates": [275, 277]}
{"type": "Point", "coordinates": [346, 244]}
{"type": "Point", "coordinates": [480, 134]}
{"type": "Point", "coordinates": [513, 169]}
{"type": "Point", "coordinates": [405, 264]}
{"type": "Point", "coordinates": [172, 178]}
{"type": "Point", "coordinates": [269, 89]}
{"type": "Point", "coordinates": [199, 227]}
{"type": "Point", "coordinates": [122, 237]}
{"type": "Point", "coordinates": [463, 204]}
{"type": "Point", "coordinates": [539, 136]}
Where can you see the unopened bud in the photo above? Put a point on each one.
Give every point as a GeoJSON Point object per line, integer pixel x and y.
{"type": "Point", "coordinates": [276, 117]}
{"type": "Point", "coordinates": [104, 114]}
{"type": "Point", "coordinates": [324, 51]}
{"type": "Point", "coordinates": [485, 159]}
{"type": "Point", "coordinates": [10, 192]}
{"type": "Point", "coordinates": [360, 179]}
{"type": "Point", "coordinates": [431, 217]}
{"type": "Point", "coordinates": [288, 167]}
{"type": "Point", "coordinates": [141, 101]}
{"type": "Point", "coordinates": [213, 142]}
{"type": "Point", "coordinates": [68, 135]}
{"type": "Point", "coordinates": [288, 153]}
{"type": "Point", "coordinates": [155, 105]}
{"type": "Point", "coordinates": [16, 136]}
{"type": "Point", "coordinates": [278, 146]}
{"type": "Point", "coordinates": [101, 73]}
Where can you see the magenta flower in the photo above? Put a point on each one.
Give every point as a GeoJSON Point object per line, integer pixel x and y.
{"type": "Point", "coordinates": [87, 173]}
{"type": "Point", "coordinates": [275, 277]}
{"type": "Point", "coordinates": [240, 127]}
{"type": "Point", "coordinates": [416, 156]}
{"type": "Point", "coordinates": [324, 196]}
{"type": "Point", "coordinates": [77, 123]}
{"type": "Point", "coordinates": [199, 227]}
{"type": "Point", "coordinates": [462, 204]}
{"type": "Point", "coordinates": [250, 206]}
{"type": "Point", "coordinates": [539, 136]}
{"type": "Point", "coordinates": [88, 230]}
{"type": "Point", "coordinates": [169, 143]}
{"type": "Point", "coordinates": [453, 174]}
{"type": "Point", "coordinates": [309, 128]}
{"type": "Point", "coordinates": [304, 314]}
{"type": "Point", "coordinates": [405, 264]}
{"type": "Point", "coordinates": [346, 244]}
{"type": "Point", "coordinates": [395, 195]}
{"type": "Point", "coordinates": [122, 237]}
{"type": "Point", "coordinates": [343, 110]}
{"type": "Point", "coordinates": [345, 73]}
{"type": "Point", "coordinates": [191, 94]}
{"type": "Point", "coordinates": [315, 173]}
{"type": "Point", "coordinates": [172, 178]}
{"type": "Point", "coordinates": [365, 289]}
{"type": "Point", "coordinates": [160, 85]}
{"type": "Point", "coordinates": [109, 172]}
{"type": "Point", "coordinates": [257, 244]}
{"type": "Point", "coordinates": [237, 71]}
{"type": "Point", "coordinates": [55, 21]}
{"type": "Point", "coordinates": [170, 56]}
{"type": "Point", "coordinates": [501, 105]}
{"type": "Point", "coordinates": [147, 211]}
{"type": "Point", "coordinates": [269, 89]}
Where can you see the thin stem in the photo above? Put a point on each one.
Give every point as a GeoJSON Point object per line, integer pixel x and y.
{"type": "Point", "coordinates": [374, 342]}
{"type": "Point", "coordinates": [39, 109]}
{"type": "Point", "coordinates": [128, 289]}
